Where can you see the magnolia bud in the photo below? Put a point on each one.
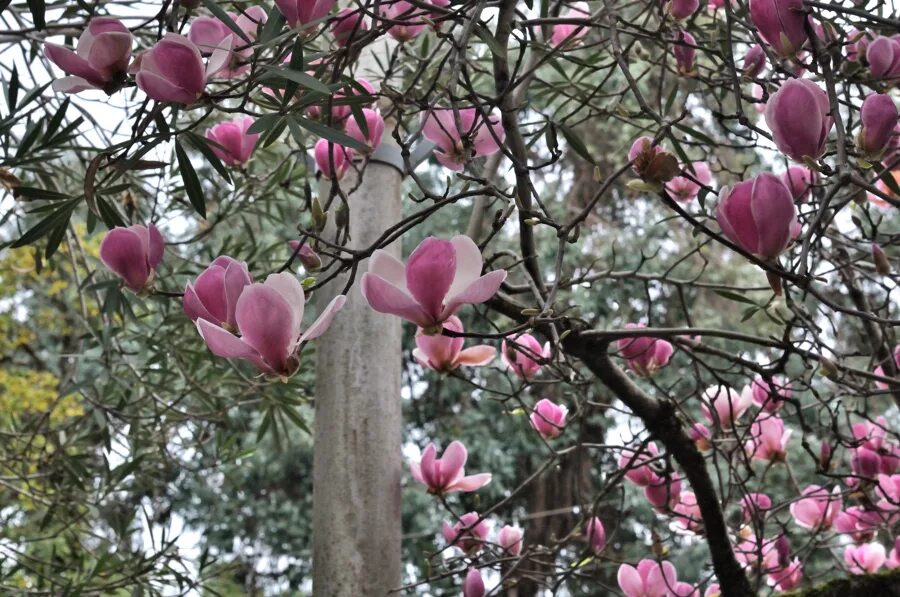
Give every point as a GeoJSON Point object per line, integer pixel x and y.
{"type": "Point", "coordinates": [882, 265]}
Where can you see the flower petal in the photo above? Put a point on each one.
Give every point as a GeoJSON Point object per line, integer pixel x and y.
{"type": "Point", "coordinates": [266, 322]}
{"type": "Point", "coordinates": [477, 292]}
{"type": "Point", "coordinates": [384, 297]}
{"type": "Point", "coordinates": [476, 356]}
{"type": "Point", "coordinates": [323, 322]}
{"type": "Point", "coordinates": [468, 264]}
{"type": "Point", "coordinates": [228, 346]}
{"type": "Point", "coordinates": [429, 274]}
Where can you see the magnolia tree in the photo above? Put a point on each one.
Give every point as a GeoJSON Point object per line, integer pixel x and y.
{"type": "Point", "coordinates": [642, 264]}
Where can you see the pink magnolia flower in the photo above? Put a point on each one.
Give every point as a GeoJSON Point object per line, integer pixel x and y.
{"type": "Point", "coordinates": [768, 439]}
{"type": "Point", "coordinates": [548, 419]}
{"type": "Point", "coordinates": [651, 162]}
{"type": "Point", "coordinates": [173, 70]}
{"type": "Point", "coordinates": [644, 354]}
{"type": "Point", "coordinates": [817, 507]}
{"type": "Point", "coordinates": [857, 43]}
{"type": "Point", "coordinates": [875, 453]}
{"type": "Point", "coordinates": [374, 128]}
{"type": "Point", "coordinates": [798, 114]}
{"type": "Point", "coordinates": [800, 180]}
{"type": "Point", "coordinates": [231, 142]}
{"type": "Point", "coordinates": [445, 354]}
{"type": "Point", "coordinates": [878, 117]}
{"type": "Point", "coordinates": [682, 9]}
{"type": "Point", "coordinates": [859, 523]}
{"type": "Point", "coordinates": [664, 492]}
{"type": "Point", "coordinates": [865, 462]}
{"type": "Point", "coordinates": [888, 489]}
{"type": "Point", "coordinates": [723, 406]}
{"type": "Point", "coordinates": [685, 189]}
{"type": "Point", "coordinates": [686, 513]}
{"type": "Point", "coordinates": [308, 257]}
{"type": "Point", "coordinates": [758, 553]}
{"type": "Point", "coordinates": [754, 62]}
{"type": "Point", "coordinates": [685, 51]}
{"type": "Point", "coordinates": [638, 466]}
{"type": "Point", "coordinates": [474, 584]}
{"type": "Point", "coordinates": [408, 20]}
{"type": "Point", "coordinates": [210, 34]}
{"type": "Point", "coordinates": [300, 13]}
{"type": "Point", "coordinates": [893, 560]}
{"type": "Point", "coordinates": [701, 435]}
{"type": "Point", "coordinates": [788, 577]}
{"type": "Point", "coordinates": [214, 294]}
{"type": "Point", "coordinates": [758, 215]}
{"type": "Point", "coordinates": [685, 589]}
{"type": "Point", "coordinates": [883, 56]}
{"type": "Point", "coordinates": [99, 61]}
{"type": "Point", "coordinates": [569, 35]}
{"type": "Point", "coordinates": [440, 277]}
{"type": "Point", "coordinates": [782, 23]}
{"type": "Point", "coordinates": [476, 135]}
{"type": "Point", "coordinates": [754, 506]}
{"type": "Point", "coordinates": [864, 559]}
{"type": "Point", "coordinates": [469, 533]}
{"type": "Point", "coordinates": [332, 160]}
{"type": "Point", "coordinates": [133, 254]}
{"type": "Point", "coordinates": [649, 579]}
{"type": "Point", "coordinates": [349, 25]}
{"type": "Point", "coordinates": [770, 395]}
{"type": "Point", "coordinates": [510, 540]}
{"type": "Point", "coordinates": [269, 319]}
{"type": "Point", "coordinates": [596, 534]}
{"type": "Point", "coordinates": [523, 354]}
{"type": "Point", "coordinates": [340, 111]}
{"type": "Point", "coordinates": [447, 474]}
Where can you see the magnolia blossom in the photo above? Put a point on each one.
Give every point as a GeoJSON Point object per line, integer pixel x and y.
{"type": "Point", "coordinates": [758, 215]}
{"type": "Point", "coordinates": [349, 24]}
{"type": "Point", "coordinates": [768, 439]}
{"type": "Point", "coordinates": [875, 453]}
{"type": "Point", "coordinates": [596, 534]}
{"type": "Point", "coordinates": [883, 57]}
{"type": "Point", "coordinates": [878, 117]}
{"type": "Point", "coordinates": [474, 584]}
{"type": "Point", "coordinates": [300, 13]}
{"type": "Point", "coordinates": [214, 294]}
{"type": "Point", "coordinates": [523, 354]}
{"type": "Point", "coordinates": [374, 128]}
{"type": "Point", "coordinates": [340, 111]}
{"type": "Point", "coordinates": [269, 319]}
{"type": "Point", "coordinates": [644, 354]}
{"type": "Point", "coordinates": [682, 9]}
{"type": "Point", "coordinates": [754, 62]}
{"type": "Point", "coordinates": [754, 506]}
{"type": "Point", "coordinates": [307, 256]}
{"type": "Point", "coordinates": [686, 513]}
{"type": "Point", "coordinates": [445, 354]}
{"type": "Point", "coordinates": [510, 539]}
{"type": "Point", "coordinates": [210, 34]}
{"type": "Point", "coordinates": [799, 116]}
{"type": "Point", "coordinates": [770, 395]}
{"type": "Point", "coordinates": [788, 577]}
{"type": "Point", "coordinates": [782, 23]}
{"type": "Point", "coordinates": [701, 435]}
{"type": "Point", "coordinates": [638, 466]}
{"type": "Point", "coordinates": [859, 523]}
{"type": "Point", "coordinates": [651, 162]}
{"type": "Point", "coordinates": [469, 533]}
{"type": "Point", "coordinates": [440, 277]}
{"type": "Point", "coordinates": [757, 552]}
{"type": "Point", "coordinates": [231, 141]}
{"type": "Point", "coordinates": [685, 50]}
{"type": "Point", "coordinates": [133, 254]}
{"type": "Point", "coordinates": [723, 406]}
{"type": "Point", "coordinates": [567, 35]}
{"type": "Point", "coordinates": [684, 189]}
{"type": "Point", "coordinates": [462, 134]}
{"type": "Point", "coordinates": [664, 492]}
{"type": "Point", "coordinates": [864, 559]}
{"type": "Point", "coordinates": [173, 70]}
{"type": "Point", "coordinates": [649, 579]}
{"type": "Point", "coordinates": [893, 560]}
{"type": "Point", "coordinates": [817, 507]}
{"type": "Point", "coordinates": [447, 474]}
{"type": "Point", "coordinates": [800, 180]}
{"type": "Point", "coordinates": [332, 160]}
{"type": "Point", "coordinates": [99, 61]}
{"type": "Point", "coordinates": [888, 489]}
{"type": "Point", "coordinates": [406, 20]}
{"type": "Point", "coordinates": [548, 419]}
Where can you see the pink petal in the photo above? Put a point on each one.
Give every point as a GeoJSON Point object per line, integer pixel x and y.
{"type": "Point", "coordinates": [290, 289]}
{"type": "Point", "coordinates": [476, 356]}
{"type": "Point", "coordinates": [123, 251]}
{"type": "Point", "coordinates": [453, 460]}
{"type": "Point", "coordinates": [630, 581]}
{"type": "Point", "coordinates": [110, 52]}
{"type": "Point", "coordinates": [72, 85]}
{"type": "Point", "coordinates": [266, 322]}
{"type": "Point", "coordinates": [194, 308]}
{"type": "Point", "coordinates": [162, 90]}
{"type": "Point", "coordinates": [235, 279]}
{"type": "Point", "coordinates": [384, 265]}
{"type": "Point", "coordinates": [470, 483]}
{"type": "Point", "coordinates": [477, 292]}
{"type": "Point", "coordinates": [427, 467]}
{"type": "Point", "coordinates": [429, 273]}
{"type": "Point", "coordinates": [209, 291]}
{"type": "Point", "coordinates": [228, 346]}
{"type": "Point", "coordinates": [323, 322]}
{"type": "Point", "coordinates": [72, 63]}
{"type": "Point", "coordinates": [384, 297]}
{"type": "Point", "coordinates": [468, 264]}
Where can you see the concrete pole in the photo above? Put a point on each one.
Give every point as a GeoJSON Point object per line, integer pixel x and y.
{"type": "Point", "coordinates": [357, 458]}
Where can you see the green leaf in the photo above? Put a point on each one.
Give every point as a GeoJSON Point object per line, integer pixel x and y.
{"type": "Point", "coordinates": [12, 91]}
{"type": "Point", "coordinates": [223, 16]}
{"type": "Point", "coordinates": [330, 134]}
{"type": "Point", "coordinates": [264, 123]}
{"type": "Point", "coordinates": [191, 182]}
{"type": "Point", "coordinates": [37, 9]}
{"type": "Point", "coordinates": [575, 142]}
{"type": "Point", "coordinates": [299, 77]}
{"type": "Point", "coordinates": [733, 296]}
{"type": "Point", "coordinates": [35, 193]}
{"type": "Point", "coordinates": [695, 133]}
{"type": "Point", "coordinates": [201, 144]}
{"type": "Point", "coordinates": [48, 224]}
{"type": "Point", "coordinates": [274, 25]}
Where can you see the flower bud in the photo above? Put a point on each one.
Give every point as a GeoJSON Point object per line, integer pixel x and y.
{"type": "Point", "coordinates": [474, 584]}
{"type": "Point", "coordinates": [878, 117]}
{"type": "Point", "coordinates": [684, 52]}
{"type": "Point", "coordinates": [651, 162]}
{"type": "Point", "coordinates": [567, 35]}
{"type": "Point", "coordinates": [171, 71]}
{"type": "Point", "coordinates": [332, 160]}
{"type": "Point", "coordinates": [758, 215]}
{"type": "Point", "coordinates": [782, 23]}
{"type": "Point", "coordinates": [231, 141]}
{"type": "Point", "coordinates": [800, 180]}
{"type": "Point", "coordinates": [349, 24]}
{"type": "Point", "coordinates": [374, 128]}
{"type": "Point", "coordinates": [548, 419]}
{"type": "Point", "coordinates": [133, 254]}
{"type": "Point", "coordinates": [882, 265]}
{"type": "Point", "coordinates": [299, 13]}
{"type": "Point", "coordinates": [682, 9]}
{"type": "Point", "coordinates": [510, 540]}
{"type": "Point", "coordinates": [596, 534]}
{"type": "Point", "coordinates": [754, 62]}
{"type": "Point", "coordinates": [883, 56]}
{"type": "Point", "coordinates": [100, 58]}
{"type": "Point", "coordinates": [307, 256]}
{"type": "Point", "coordinates": [798, 116]}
